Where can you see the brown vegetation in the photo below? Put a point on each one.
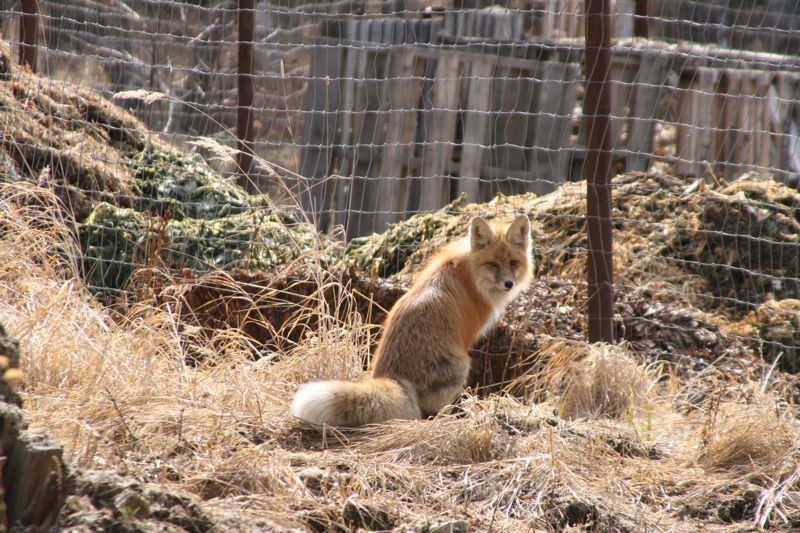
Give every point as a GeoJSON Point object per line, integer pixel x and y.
{"type": "Point", "coordinates": [592, 439]}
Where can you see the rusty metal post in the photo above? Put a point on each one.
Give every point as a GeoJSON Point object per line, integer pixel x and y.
{"type": "Point", "coordinates": [28, 24]}
{"type": "Point", "coordinates": [246, 88]}
{"type": "Point", "coordinates": [640, 19]}
{"type": "Point", "coordinates": [597, 169]}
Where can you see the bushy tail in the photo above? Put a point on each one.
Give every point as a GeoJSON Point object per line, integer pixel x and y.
{"type": "Point", "coordinates": [342, 403]}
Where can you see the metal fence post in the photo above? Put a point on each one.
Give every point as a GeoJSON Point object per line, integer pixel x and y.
{"type": "Point", "coordinates": [640, 28]}
{"type": "Point", "coordinates": [246, 90]}
{"type": "Point", "coordinates": [597, 170]}
{"type": "Point", "coordinates": [28, 25]}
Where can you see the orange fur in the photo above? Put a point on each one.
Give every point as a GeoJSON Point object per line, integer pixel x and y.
{"type": "Point", "coordinates": [422, 361]}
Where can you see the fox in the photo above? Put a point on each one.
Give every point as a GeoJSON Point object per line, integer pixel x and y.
{"type": "Point", "coordinates": [422, 360]}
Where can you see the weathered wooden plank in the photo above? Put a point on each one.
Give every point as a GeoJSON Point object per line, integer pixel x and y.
{"type": "Point", "coordinates": [369, 140]}
{"type": "Point", "coordinates": [441, 134]}
{"type": "Point", "coordinates": [319, 129]}
{"type": "Point", "coordinates": [424, 125]}
{"type": "Point", "coordinates": [744, 123]}
{"type": "Point", "coordinates": [366, 105]}
{"type": "Point", "coordinates": [517, 54]}
{"type": "Point", "coordinates": [403, 86]}
{"type": "Point", "coordinates": [650, 81]}
{"type": "Point", "coordinates": [541, 151]}
{"type": "Point", "coordinates": [623, 18]}
{"type": "Point", "coordinates": [493, 23]}
{"type": "Point", "coordinates": [697, 113]}
{"type": "Point", "coordinates": [622, 75]}
{"type": "Point", "coordinates": [476, 137]}
{"type": "Point", "coordinates": [350, 73]}
{"type": "Point", "coordinates": [564, 19]}
{"type": "Point", "coordinates": [513, 126]}
{"type": "Point", "coordinates": [782, 103]}
{"type": "Point", "coordinates": [556, 95]}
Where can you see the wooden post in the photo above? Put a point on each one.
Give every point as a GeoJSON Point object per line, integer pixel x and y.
{"type": "Point", "coordinates": [28, 25]}
{"type": "Point", "coordinates": [34, 475]}
{"type": "Point", "coordinates": [246, 87]}
{"type": "Point", "coordinates": [597, 170]}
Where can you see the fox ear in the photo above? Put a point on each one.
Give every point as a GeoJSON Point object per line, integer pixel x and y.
{"type": "Point", "coordinates": [519, 232]}
{"type": "Point", "coordinates": [480, 234]}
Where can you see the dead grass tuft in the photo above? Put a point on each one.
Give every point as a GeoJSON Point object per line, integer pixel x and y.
{"type": "Point", "coordinates": [754, 438]}
{"type": "Point", "coordinates": [593, 380]}
{"type": "Point", "coordinates": [468, 437]}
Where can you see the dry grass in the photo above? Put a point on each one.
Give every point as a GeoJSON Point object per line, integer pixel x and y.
{"type": "Point", "coordinates": [755, 437]}
{"type": "Point", "coordinates": [624, 454]}
{"type": "Point", "coordinates": [603, 382]}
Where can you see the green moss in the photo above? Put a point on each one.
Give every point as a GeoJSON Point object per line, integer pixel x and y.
{"type": "Point", "coordinates": [386, 254]}
{"type": "Point", "coordinates": [117, 241]}
{"type": "Point", "coordinates": [183, 187]}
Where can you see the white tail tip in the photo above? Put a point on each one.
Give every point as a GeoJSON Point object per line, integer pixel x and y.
{"type": "Point", "coordinates": [313, 402]}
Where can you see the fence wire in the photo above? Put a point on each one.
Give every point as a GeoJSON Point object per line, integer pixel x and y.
{"type": "Point", "coordinates": [369, 112]}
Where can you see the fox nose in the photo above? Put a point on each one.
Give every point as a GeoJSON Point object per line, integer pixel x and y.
{"type": "Point", "coordinates": [509, 284]}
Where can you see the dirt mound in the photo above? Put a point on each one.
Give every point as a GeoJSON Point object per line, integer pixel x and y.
{"type": "Point", "coordinates": [135, 203]}
{"type": "Point", "coordinates": [273, 310]}
{"type": "Point", "coordinates": [66, 135]}
{"type": "Point", "coordinates": [726, 247]}
{"type": "Point", "coordinates": [706, 266]}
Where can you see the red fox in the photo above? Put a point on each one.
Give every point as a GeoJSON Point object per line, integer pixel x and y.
{"type": "Point", "coordinates": [422, 361]}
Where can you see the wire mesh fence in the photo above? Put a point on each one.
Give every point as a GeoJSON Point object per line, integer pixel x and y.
{"type": "Point", "coordinates": [366, 113]}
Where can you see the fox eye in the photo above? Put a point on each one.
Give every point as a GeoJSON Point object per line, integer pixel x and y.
{"type": "Point", "coordinates": [493, 264]}
{"type": "Point", "coordinates": [514, 263]}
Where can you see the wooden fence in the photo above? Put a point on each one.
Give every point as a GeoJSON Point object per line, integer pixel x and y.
{"type": "Point", "coordinates": [402, 114]}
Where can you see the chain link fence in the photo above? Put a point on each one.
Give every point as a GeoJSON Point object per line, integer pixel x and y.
{"type": "Point", "coordinates": [366, 113]}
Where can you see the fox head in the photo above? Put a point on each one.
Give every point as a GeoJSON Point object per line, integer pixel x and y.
{"type": "Point", "coordinates": [501, 256]}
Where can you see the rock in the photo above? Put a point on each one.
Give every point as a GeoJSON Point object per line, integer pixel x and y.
{"type": "Point", "coordinates": [104, 486]}
{"type": "Point", "coordinates": [578, 513]}
{"type": "Point", "coordinates": [359, 515]}
{"type": "Point", "coordinates": [10, 424]}
{"type": "Point", "coordinates": [313, 478]}
{"type": "Point", "coordinates": [9, 360]}
{"type": "Point", "coordinates": [104, 500]}
{"type": "Point", "coordinates": [132, 504]}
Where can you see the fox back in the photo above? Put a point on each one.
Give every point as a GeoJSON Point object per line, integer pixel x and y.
{"type": "Point", "coordinates": [422, 361]}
